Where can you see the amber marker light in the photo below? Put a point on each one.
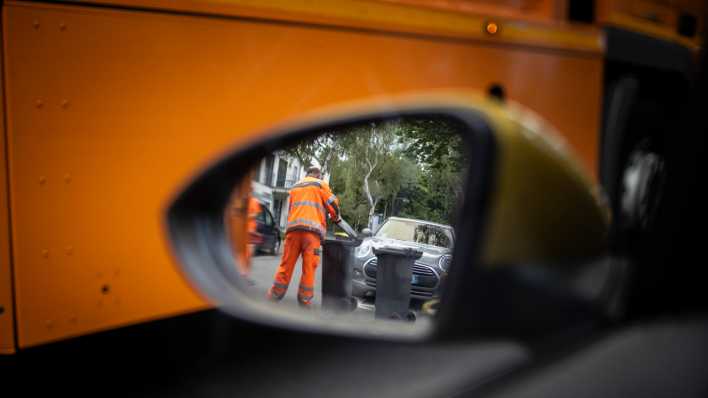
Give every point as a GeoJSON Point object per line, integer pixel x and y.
{"type": "Point", "coordinates": [491, 27]}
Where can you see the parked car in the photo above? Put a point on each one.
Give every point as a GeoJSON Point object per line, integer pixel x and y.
{"type": "Point", "coordinates": [429, 271]}
{"type": "Point", "coordinates": [270, 233]}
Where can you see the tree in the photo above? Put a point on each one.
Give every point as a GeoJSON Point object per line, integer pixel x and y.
{"type": "Point", "coordinates": [434, 142]}
{"type": "Point", "coordinates": [410, 167]}
{"type": "Point", "coordinates": [324, 148]}
{"type": "Point", "coordinates": [398, 175]}
{"type": "Point", "coordinates": [369, 147]}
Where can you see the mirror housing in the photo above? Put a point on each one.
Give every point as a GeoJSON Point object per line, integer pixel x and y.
{"type": "Point", "coordinates": [366, 232]}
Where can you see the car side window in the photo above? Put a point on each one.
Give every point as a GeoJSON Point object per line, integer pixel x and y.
{"type": "Point", "coordinates": [439, 239]}
{"type": "Point", "coordinates": [419, 235]}
{"type": "Point", "coordinates": [261, 217]}
{"type": "Point", "coordinates": [268, 219]}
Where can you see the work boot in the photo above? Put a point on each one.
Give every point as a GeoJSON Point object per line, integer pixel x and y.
{"type": "Point", "coordinates": [304, 305]}
{"type": "Point", "coordinates": [270, 296]}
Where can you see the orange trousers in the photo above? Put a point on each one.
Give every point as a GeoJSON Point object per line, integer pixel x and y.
{"type": "Point", "coordinates": [296, 243]}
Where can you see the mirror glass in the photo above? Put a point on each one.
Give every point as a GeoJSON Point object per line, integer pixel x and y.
{"type": "Point", "coordinates": [352, 222]}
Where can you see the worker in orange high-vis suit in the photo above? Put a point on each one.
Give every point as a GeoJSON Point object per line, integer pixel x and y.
{"type": "Point", "coordinates": [309, 200]}
{"type": "Point", "coordinates": [254, 237]}
{"type": "Point", "coordinates": [244, 242]}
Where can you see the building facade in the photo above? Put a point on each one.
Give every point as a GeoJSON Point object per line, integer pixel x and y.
{"type": "Point", "coordinates": [275, 175]}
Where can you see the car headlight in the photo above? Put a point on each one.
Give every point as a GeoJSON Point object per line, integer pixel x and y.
{"type": "Point", "coordinates": [445, 262]}
{"type": "Point", "coordinates": [363, 250]}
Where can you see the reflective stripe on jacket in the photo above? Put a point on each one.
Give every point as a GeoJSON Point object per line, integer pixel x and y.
{"type": "Point", "coordinates": [310, 199]}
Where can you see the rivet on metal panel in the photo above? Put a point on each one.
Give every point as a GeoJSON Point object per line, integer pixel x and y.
{"type": "Point", "coordinates": [62, 26]}
{"type": "Point", "coordinates": [49, 324]}
{"type": "Point", "coordinates": [64, 103]}
{"type": "Point", "coordinates": [2, 310]}
{"type": "Point", "coordinates": [492, 28]}
{"type": "Point", "coordinates": [35, 24]}
{"type": "Point", "coordinates": [116, 273]}
{"type": "Point", "coordinates": [42, 180]}
{"type": "Point", "coordinates": [99, 275]}
{"type": "Point", "coordinates": [67, 178]}
{"type": "Point", "coordinates": [73, 320]}
{"type": "Point", "coordinates": [39, 104]}
{"type": "Point", "coordinates": [69, 250]}
{"type": "Point", "coordinates": [45, 253]}
{"type": "Point", "coordinates": [105, 289]}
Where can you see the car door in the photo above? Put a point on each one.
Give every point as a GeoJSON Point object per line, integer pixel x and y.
{"type": "Point", "coordinates": [266, 227]}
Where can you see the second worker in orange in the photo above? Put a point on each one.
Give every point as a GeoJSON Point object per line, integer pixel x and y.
{"type": "Point", "coordinates": [309, 200]}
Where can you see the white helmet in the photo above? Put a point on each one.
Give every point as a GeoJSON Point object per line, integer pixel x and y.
{"type": "Point", "coordinates": [314, 166]}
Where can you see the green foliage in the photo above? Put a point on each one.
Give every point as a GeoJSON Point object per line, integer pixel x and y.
{"type": "Point", "coordinates": [409, 168]}
{"type": "Point", "coordinates": [434, 142]}
{"type": "Point", "coordinates": [346, 183]}
{"type": "Point", "coordinates": [324, 148]}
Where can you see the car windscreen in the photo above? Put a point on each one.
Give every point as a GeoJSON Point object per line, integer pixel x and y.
{"type": "Point", "coordinates": [412, 231]}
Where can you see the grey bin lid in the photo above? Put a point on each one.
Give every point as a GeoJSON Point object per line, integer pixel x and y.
{"type": "Point", "coordinates": [398, 251]}
{"type": "Point", "coordinates": [332, 240]}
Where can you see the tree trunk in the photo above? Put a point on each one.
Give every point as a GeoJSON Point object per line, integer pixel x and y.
{"type": "Point", "coordinates": [367, 190]}
{"type": "Point", "coordinates": [372, 210]}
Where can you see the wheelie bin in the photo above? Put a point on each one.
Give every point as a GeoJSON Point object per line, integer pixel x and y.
{"type": "Point", "coordinates": [393, 281]}
{"type": "Point", "coordinates": [337, 254]}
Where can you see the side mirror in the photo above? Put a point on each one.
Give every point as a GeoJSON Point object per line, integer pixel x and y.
{"type": "Point", "coordinates": [366, 232]}
{"type": "Point", "coordinates": [518, 255]}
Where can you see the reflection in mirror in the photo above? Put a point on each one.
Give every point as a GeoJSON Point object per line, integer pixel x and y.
{"type": "Point", "coordinates": [292, 221]}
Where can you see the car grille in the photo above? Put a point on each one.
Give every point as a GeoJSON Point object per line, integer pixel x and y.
{"type": "Point", "coordinates": [419, 292]}
{"type": "Point", "coordinates": [427, 278]}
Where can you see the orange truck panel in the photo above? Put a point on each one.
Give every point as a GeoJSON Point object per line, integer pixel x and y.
{"type": "Point", "coordinates": [387, 16]}
{"type": "Point", "coordinates": [532, 10]}
{"type": "Point", "coordinates": [7, 330]}
{"type": "Point", "coordinates": [110, 111]}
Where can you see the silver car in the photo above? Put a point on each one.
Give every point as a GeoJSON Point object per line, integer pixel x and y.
{"type": "Point", "coordinates": [429, 271]}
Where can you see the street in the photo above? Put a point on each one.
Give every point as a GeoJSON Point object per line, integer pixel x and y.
{"type": "Point", "coordinates": [263, 269]}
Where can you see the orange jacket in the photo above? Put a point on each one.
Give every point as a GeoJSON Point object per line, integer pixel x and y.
{"type": "Point", "coordinates": [310, 198]}
{"type": "Point", "coordinates": [254, 210]}
{"type": "Point", "coordinates": [239, 224]}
